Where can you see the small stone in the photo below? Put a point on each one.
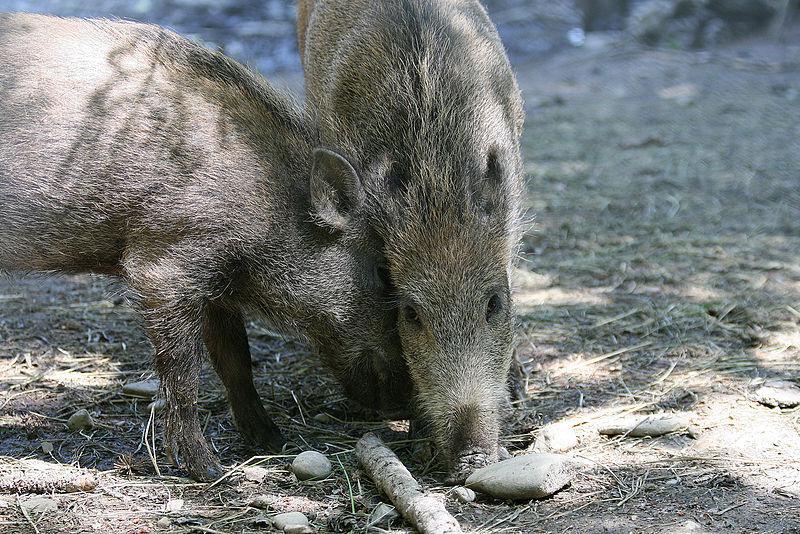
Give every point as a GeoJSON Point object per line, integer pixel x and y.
{"type": "Point", "coordinates": [173, 505]}
{"type": "Point", "coordinates": [80, 420]}
{"type": "Point", "coordinates": [261, 501]}
{"type": "Point", "coordinates": [322, 418]}
{"type": "Point", "coordinates": [637, 427]}
{"type": "Point", "coordinates": [311, 465]}
{"type": "Point", "coordinates": [298, 529]}
{"type": "Point", "coordinates": [47, 447]}
{"type": "Point", "coordinates": [38, 505]}
{"type": "Point", "coordinates": [164, 522]}
{"type": "Point", "coordinates": [280, 521]}
{"type": "Point", "coordinates": [780, 393]}
{"type": "Point", "coordinates": [255, 474]}
{"type": "Point", "coordinates": [555, 437]}
{"type": "Point", "coordinates": [463, 495]}
{"type": "Point", "coordinates": [531, 476]}
{"type": "Point", "coordinates": [502, 453]}
{"type": "Point", "coordinates": [383, 514]}
{"type": "Point", "coordinates": [145, 388]}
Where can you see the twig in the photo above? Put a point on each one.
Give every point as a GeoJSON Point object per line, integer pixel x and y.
{"type": "Point", "coordinates": [424, 511]}
{"type": "Point", "coordinates": [349, 486]}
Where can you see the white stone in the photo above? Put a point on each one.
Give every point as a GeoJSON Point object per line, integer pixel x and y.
{"type": "Point", "coordinates": [531, 476]}
{"type": "Point", "coordinates": [173, 505]}
{"type": "Point", "coordinates": [254, 474]}
{"type": "Point", "coordinates": [297, 529]}
{"type": "Point", "coordinates": [463, 495]}
{"type": "Point", "coordinates": [781, 393]}
{"type": "Point", "coordinates": [555, 437]}
{"type": "Point", "coordinates": [311, 465]}
{"type": "Point", "coordinates": [280, 521]}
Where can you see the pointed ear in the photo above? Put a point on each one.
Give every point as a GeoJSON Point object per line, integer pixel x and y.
{"type": "Point", "coordinates": [335, 189]}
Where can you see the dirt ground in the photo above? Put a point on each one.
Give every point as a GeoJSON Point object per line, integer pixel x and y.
{"type": "Point", "coordinates": [662, 275]}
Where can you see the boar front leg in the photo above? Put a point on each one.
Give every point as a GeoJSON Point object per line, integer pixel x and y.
{"type": "Point", "coordinates": [175, 329]}
{"type": "Point", "coordinates": [172, 303]}
{"type": "Point", "coordinates": [226, 340]}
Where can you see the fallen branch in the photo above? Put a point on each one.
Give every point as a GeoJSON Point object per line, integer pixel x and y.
{"type": "Point", "coordinates": [426, 512]}
{"type": "Point", "coordinates": [35, 476]}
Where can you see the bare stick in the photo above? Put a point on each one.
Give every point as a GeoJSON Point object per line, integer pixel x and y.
{"type": "Point", "coordinates": [424, 511]}
{"type": "Point", "coordinates": [35, 476]}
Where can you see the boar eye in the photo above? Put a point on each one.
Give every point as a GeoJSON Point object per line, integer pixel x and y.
{"type": "Point", "coordinates": [411, 316]}
{"type": "Point", "coordinates": [383, 276]}
{"type": "Point", "coordinates": [494, 306]}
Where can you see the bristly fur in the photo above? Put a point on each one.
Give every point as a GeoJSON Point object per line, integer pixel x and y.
{"type": "Point", "coordinates": [421, 96]}
{"type": "Point", "coordinates": [129, 151]}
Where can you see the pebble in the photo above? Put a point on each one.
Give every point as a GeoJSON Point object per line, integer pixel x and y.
{"type": "Point", "coordinates": [173, 505]}
{"type": "Point", "coordinates": [280, 521]}
{"type": "Point", "coordinates": [780, 393]}
{"type": "Point", "coordinates": [530, 476]}
{"type": "Point", "coordinates": [146, 388]}
{"type": "Point", "coordinates": [637, 427]}
{"type": "Point", "coordinates": [463, 495]}
{"type": "Point", "coordinates": [254, 474]}
{"type": "Point", "coordinates": [311, 465]}
{"type": "Point", "coordinates": [322, 418]}
{"type": "Point", "coordinates": [39, 505]}
{"type": "Point", "coordinates": [297, 529]}
{"type": "Point", "coordinates": [555, 437]}
{"type": "Point", "coordinates": [261, 501]}
{"type": "Point", "coordinates": [383, 514]}
{"type": "Point", "coordinates": [164, 522]}
{"type": "Point", "coordinates": [80, 420]}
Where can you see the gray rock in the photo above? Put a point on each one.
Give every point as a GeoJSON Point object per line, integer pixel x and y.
{"type": "Point", "coordinates": [164, 522]}
{"type": "Point", "coordinates": [463, 495]}
{"type": "Point", "coordinates": [297, 529]}
{"type": "Point", "coordinates": [383, 514]}
{"type": "Point", "coordinates": [780, 393]}
{"type": "Point", "coordinates": [637, 427]}
{"type": "Point", "coordinates": [555, 437]}
{"type": "Point", "coordinates": [146, 388]}
{"type": "Point", "coordinates": [38, 505]}
{"type": "Point", "coordinates": [311, 465]}
{"type": "Point", "coordinates": [280, 521]}
{"type": "Point", "coordinates": [531, 476]}
{"type": "Point", "coordinates": [80, 420]}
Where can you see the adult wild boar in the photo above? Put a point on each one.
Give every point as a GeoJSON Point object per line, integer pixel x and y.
{"type": "Point", "coordinates": [420, 96]}
{"type": "Point", "coordinates": [129, 151]}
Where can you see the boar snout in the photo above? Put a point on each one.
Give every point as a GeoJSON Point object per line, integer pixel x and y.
{"type": "Point", "coordinates": [473, 444]}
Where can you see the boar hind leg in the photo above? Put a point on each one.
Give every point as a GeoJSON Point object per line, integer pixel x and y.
{"type": "Point", "coordinates": [226, 341]}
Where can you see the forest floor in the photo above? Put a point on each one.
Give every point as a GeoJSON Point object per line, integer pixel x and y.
{"type": "Point", "coordinates": [662, 275]}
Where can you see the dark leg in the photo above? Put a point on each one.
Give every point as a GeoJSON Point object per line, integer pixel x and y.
{"type": "Point", "coordinates": [226, 340]}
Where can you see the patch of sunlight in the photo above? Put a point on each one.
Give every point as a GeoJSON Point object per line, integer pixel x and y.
{"type": "Point", "coordinates": [526, 299]}
{"type": "Point", "coordinates": [701, 292]}
{"type": "Point", "coordinates": [71, 377]}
